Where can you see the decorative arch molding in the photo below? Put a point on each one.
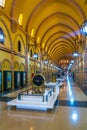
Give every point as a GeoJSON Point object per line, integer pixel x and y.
{"type": "Point", "coordinates": [62, 45]}
{"type": "Point", "coordinates": [8, 33]}
{"type": "Point", "coordinates": [52, 44]}
{"type": "Point", "coordinates": [6, 65]}
{"type": "Point", "coordinates": [52, 15]}
{"type": "Point", "coordinates": [16, 66]}
{"type": "Point", "coordinates": [55, 41]}
{"type": "Point", "coordinates": [44, 2]}
{"type": "Point", "coordinates": [33, 12]}
{"type": "Point", "coordinates": [56, 25]}
{"type": "Point", "coordinates": [66, 48]}
{"type": "Point", "coordinates": [22, 67]}
{"type": "Point", "coordinates": [18, 37]}
{"type": "Point", "coordinates": [60, 54]}
{"type": "Point", "coordinates": [66, 35]}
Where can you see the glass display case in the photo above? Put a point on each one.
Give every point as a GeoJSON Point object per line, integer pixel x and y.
{"type": "Point", "coordinates": [16, 79]}
{"type": "Point", "coordinates": [23, 78]}
{"type": "Point", "coordinates": [7, 76]}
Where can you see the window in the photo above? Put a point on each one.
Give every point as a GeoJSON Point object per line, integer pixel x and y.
{"type": "Point", "coordinates": [2, 3]}
{"type": "Point", "coordinates": [20, 19]}
{"type": "Point", "coordinates": [31, 53]}
{"type": "Point", "coordinates": [19, 46]}
{"type": "Point", "coordinates": [1, 36]}
{"type": "Point", "coordinates": [32, 32]}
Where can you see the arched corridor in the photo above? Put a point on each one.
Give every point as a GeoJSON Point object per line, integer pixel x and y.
{"type": "Point", "coordinates": [49, 38]}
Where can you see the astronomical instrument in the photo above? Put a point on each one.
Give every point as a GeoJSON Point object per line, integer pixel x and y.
{"type": "Point", "coordinates": [38, 84]}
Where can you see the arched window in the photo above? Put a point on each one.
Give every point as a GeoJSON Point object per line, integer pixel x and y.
{"type": "Point", "coordinates": [31, 53]}
{"type": "Point", "coordinates": [2, 3]}
{"type": "Point", "coordinates": [19, 46]}
{"type": "Point", "coordinates": [20, 19]}
{"type": "Point", "coordinates": [1, 36]}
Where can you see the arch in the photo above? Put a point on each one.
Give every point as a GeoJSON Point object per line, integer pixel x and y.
{"type": "Point", "coordinates": [66, 35]}
{"type": "Point", "coordinates": [6, 65]}
{"type": "Point", "coordinates": [56, 13]}
{"type": "Point", "coordinates": [8, 33]}
{"type": "Point", "coordinates": [74, 33]}
{"type": "Point", "coordinates": [61, 45]}
{"type": "Point", "coordinates": [77, 7]}
{"type": "Point", "coordinates": [52, 44]}
{"type": "Point", "coordinates": [18, 38]}
{"type": "Point", "coordinates": [16, 66]}
{"type": "Point", "coordinates": [22, 67]}
{"type": "Point", "coordinates": [32, 13]}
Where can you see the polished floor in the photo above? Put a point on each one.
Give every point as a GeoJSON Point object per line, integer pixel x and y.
{"type": "Point", "coordinates": [70, 112]}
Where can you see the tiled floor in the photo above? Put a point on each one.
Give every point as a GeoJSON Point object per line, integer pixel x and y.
{"type": "Point", "coordinates": [70, 112]}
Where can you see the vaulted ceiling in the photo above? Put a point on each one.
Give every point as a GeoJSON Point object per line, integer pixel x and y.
{"type": "Point", "coordinates": [55, 23]}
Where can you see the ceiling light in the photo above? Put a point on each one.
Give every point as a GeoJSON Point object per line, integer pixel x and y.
{"type": "Point", "coordinates": [46, 61]}
{"type": "Point", "coordinates": [72, 61]}
{"type": "Point", "coordinates": [35, 55]}
{"type": "Point", "coordinates": [75, 54]}
{"type": "Point", "coordinates": [84, 28]}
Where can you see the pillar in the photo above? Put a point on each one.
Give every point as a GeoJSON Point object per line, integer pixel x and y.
{"type": "Point", "coordinates": [84, 86]}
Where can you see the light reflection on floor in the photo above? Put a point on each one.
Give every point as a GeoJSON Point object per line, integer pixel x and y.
{"type": "Point", "coordinates": [70, 112]}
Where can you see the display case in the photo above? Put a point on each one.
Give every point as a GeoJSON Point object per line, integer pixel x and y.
{"type": "Point", "coordinates": [23, 78]}
{"type": "Point", "coordinates": [17, 79]}
{"type": "Point", "coordinates": [7, 76]}
{"type": "Point", "coordinates": [39, 97]}
{"type": "Point", "coordinates": [0, 81]}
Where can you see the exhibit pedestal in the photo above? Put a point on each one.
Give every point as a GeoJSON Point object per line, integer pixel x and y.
{"type": "Point", "coordinates": [27, 100]}
{"type": "Point", "coordinates": [40, 97]}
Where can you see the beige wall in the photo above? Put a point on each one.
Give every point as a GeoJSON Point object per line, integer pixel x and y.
{"type": "Point", "coordinates": [11, 59]}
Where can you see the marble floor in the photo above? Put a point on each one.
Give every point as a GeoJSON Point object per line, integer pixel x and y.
{"type": "Point", "coordinates": [69, 113]}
